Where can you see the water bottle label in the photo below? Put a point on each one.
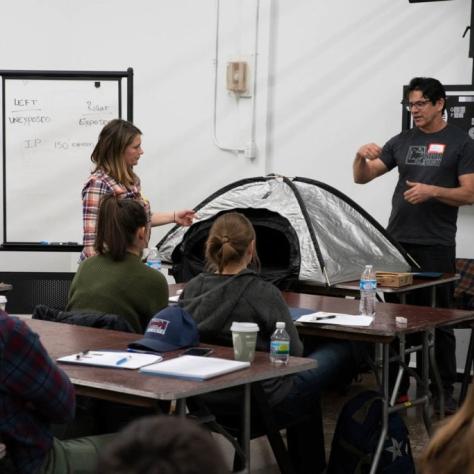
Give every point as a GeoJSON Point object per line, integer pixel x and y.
{"type": "Point", "coordinates": [280, 347]}
{"type": "Point", "coordinates": [368, 284]}
{"type": "Point", "coordinates": [156, 264]}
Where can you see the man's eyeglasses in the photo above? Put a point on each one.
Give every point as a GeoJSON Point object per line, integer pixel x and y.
{"type": "Point", "coordinates": [419, 104]}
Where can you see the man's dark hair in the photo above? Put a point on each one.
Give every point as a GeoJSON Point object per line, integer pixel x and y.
{"type": "Point", "coordinates": [431, 88]}
{"type": "Point", "coordinates": [162, 445]}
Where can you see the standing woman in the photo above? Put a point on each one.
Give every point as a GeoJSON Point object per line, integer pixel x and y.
{"type": "Point", "coordinates": [116, 153]}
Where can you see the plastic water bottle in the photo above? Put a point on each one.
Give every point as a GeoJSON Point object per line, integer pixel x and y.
{"type": "Point", "coordinates": [3, 302]}
{"type": "Point", "coordinates": [153, 259]}
{"type": "Point", "coordinates": [280, 345]}
{"type": "Point", "coordinates": [368, 291]}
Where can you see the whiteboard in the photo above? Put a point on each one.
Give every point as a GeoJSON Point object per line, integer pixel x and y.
{"type": "Point", "coordinates": [50, 129]}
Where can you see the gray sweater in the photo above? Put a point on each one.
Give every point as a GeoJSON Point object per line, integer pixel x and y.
{"type": "Point", "coordinates": [216, 301]}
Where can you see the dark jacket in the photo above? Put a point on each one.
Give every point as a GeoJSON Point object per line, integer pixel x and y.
{"type": "Point", "coordinates": [96, 320]}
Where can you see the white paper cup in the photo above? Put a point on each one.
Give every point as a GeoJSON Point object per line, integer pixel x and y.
{"type": "Point", "coordinates": [244, 339]}
{"type": "Point", "coordinates": [3, 302]}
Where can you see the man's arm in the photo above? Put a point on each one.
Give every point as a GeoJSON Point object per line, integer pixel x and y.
{"type": "Point", "coordinates": [367, 163]}
{"type": "Point", "coordinates": [459, 196]}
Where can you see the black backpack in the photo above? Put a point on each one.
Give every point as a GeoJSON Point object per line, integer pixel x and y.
{"type": "Point", "coordinates": [357, 433]}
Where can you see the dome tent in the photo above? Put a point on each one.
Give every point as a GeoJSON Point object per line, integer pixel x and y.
{"type": "Point", "coordinates": [306, 231]}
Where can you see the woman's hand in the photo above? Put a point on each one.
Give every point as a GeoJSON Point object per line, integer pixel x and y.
{"type": "Point", "coordinates": [184, 217]}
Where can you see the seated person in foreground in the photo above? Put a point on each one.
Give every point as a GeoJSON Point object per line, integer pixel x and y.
{"type": "Point", "coordinates": [231, 292]}
{"type": "Point", "coordinates": [116, 280]}
{"type": "Point", "coordinates": [34, 393]}
{"type": "Point", "coordinates": [450, 449]}
{"type": "Point", "coordinates": [162, 445]}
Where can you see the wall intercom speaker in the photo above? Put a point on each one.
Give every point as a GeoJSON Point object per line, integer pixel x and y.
{"type": "Point", "coordinates": [237, 76]}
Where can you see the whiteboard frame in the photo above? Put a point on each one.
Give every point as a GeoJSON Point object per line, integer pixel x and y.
{"type": "Point", "coordinates": [66, 76]}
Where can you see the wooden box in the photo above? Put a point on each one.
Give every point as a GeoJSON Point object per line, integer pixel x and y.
{"type": "Point", "coordinates": [394, 279]}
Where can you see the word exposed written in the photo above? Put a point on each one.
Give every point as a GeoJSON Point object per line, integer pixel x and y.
{"type": "Point", "coordinates": [29, 112]}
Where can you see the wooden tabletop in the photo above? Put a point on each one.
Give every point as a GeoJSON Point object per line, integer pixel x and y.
{"type": "Point", "coordinates": [415, 285]}
{"type": "Point", "coordinates": [352, 287]}
{"type": "Point", "coordinates": [384, 327]}
{"type": "Point", "coordinates": [133, 387]}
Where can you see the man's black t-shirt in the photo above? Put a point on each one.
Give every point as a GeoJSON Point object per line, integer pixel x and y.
{"type": "Point", "coordinates": [431, 158]}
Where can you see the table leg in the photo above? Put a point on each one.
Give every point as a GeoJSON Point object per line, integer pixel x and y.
{"type": "Point", "coordinates": [246, 426]}
{"type": "Point", "coordinates": [434, 369]}
{"type": "Point", "coordinates": [466, 378]}
{"type": "Point", "coordinates": [181, 407]}
{"type": "Point", "coordinates": [427, 340]}
{"type": "Point", "coordinates": [385, 396]}
{"type": "Point", "coordinates": [433, 296]}
{"type": "Point", "coordinates": [401, 370]}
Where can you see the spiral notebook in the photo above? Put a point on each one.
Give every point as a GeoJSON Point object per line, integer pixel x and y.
{"type": "Point", "coordinates": [194, 367]}
{"type": "Point", "coordinates": [114, 359]}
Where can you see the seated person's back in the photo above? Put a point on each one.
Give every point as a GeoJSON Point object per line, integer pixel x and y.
{"type": "Point", "coordinates": [116, 280]}
{"type": "Point", "coordinates": [230, 292]}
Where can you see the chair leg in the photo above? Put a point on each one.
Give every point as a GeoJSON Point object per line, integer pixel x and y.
{"type": "Point", "coordinates": [466, 378]}
{"type": "Point", "coordinates": [272, 431]}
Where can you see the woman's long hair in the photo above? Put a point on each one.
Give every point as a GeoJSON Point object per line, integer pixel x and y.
{"type": "Point", "coordinates": [450, 450]}
{"type": "Point", "coordinates": [228, 241]}
{"type": "Point", "coordinates": [117, 225]}
{"type": "Point", "coordinates": [107, 155]}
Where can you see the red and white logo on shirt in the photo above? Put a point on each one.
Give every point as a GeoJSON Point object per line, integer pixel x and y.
{"type": "Point", "coordinates": [436, 148]}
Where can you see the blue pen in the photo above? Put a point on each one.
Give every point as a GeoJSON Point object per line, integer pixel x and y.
{"type": "Point", "coordinates": [122, 360]}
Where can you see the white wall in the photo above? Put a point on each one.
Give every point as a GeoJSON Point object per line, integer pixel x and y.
{"type": "Point", "coordinates": [330, 76]}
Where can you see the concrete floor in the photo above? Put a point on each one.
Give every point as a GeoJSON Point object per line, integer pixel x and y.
{"type": "Point", "coordinates": [262, 461]}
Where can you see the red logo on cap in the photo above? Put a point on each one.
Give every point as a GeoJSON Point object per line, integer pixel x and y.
{"type": "Point", "coordinates": [158, 325]}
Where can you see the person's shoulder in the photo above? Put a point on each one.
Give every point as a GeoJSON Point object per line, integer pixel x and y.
{"type": "Point", "coordinates": [99, 180]}
{"type": "Point", "coordinates": [458, 132]}
{"type": "Point", "coordinates": [258, 284]}
{"type": "Point", "coordinates": [90, 262]}
{"type": "Point", "coordinates": [11, 327]}
{"type": "Point", "coordinates": [403, 135]}
{"type": "Point", "coordinates": [150, 275]}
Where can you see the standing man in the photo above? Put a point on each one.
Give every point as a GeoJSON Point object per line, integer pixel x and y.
{"type": "Point", "coordinates": [435, 162]}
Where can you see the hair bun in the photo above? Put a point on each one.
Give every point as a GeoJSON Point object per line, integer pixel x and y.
{"type": "Point", "coordinates": [225, 240]}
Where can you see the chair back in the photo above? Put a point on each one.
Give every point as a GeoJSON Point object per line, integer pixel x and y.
{"type": "Point", "coordinates": [464, 291]}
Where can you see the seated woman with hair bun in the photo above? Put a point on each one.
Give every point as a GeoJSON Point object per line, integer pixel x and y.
{"type": "Point", "coordinates": [116, 280]}
{"type": "Point", "coordinates": [231, 292]}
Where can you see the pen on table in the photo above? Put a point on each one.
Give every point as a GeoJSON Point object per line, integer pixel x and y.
{"type": "Point", "coordinates": [329, 316]}
{"type": "Point", "coordinates": [122, 360]}
{"type": "Point", "coordinates": [81, 354]}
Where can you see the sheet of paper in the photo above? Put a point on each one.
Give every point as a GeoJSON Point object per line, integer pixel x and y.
{"type": "Point", "coordinates": [173, 299]}
{"type": "Point", "coordinates": [195, 367]}
{"type": "Point", "coordinates": [115, 359]}
{"type": "Point", "coordinates": [322, 317]}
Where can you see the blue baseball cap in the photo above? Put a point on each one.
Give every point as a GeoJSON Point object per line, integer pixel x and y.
{"type": "Point", "coordinates": [168, 330]}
